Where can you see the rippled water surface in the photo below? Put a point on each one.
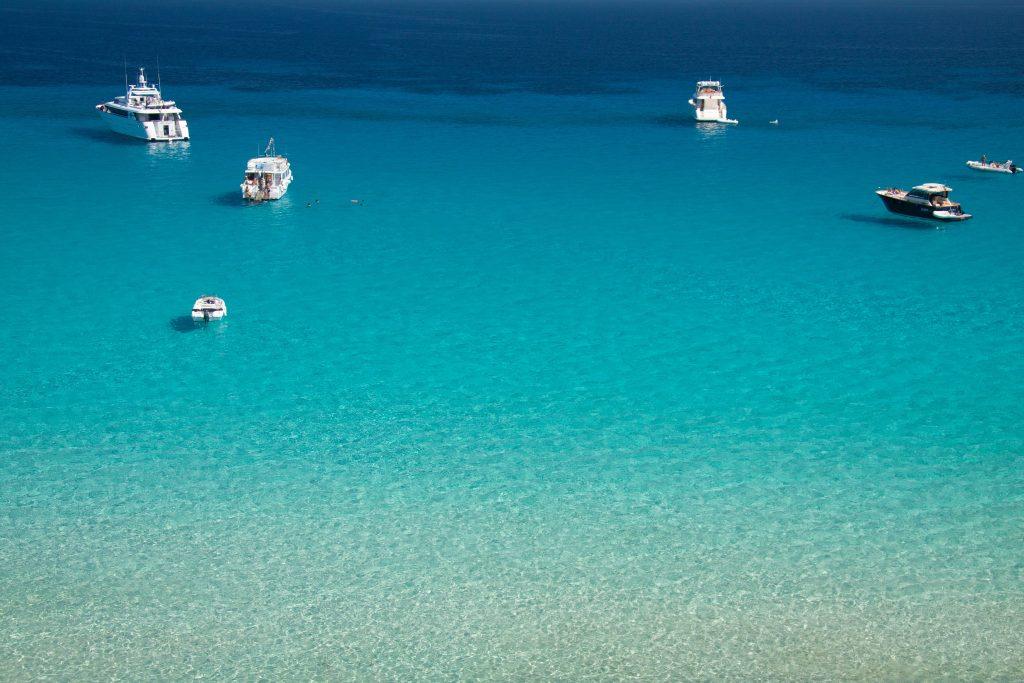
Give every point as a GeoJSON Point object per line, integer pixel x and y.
{"type": "Point", "coordinates": [578, 390]}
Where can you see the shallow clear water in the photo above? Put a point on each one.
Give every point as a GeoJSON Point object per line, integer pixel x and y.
{"type": "Point", "coordinates": [579, 390]}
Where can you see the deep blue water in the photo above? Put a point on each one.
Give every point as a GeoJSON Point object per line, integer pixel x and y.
{"type": "Point", "coordinates": [578, 390]}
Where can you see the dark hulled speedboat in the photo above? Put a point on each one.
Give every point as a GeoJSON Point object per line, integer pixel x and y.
{"type": "Point", "coordinates": [930, 200]}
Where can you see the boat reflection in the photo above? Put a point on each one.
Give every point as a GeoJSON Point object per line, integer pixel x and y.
{"type": "Point", "coordinates": [710, 131]}
{"type": "Point", "coordinates": [169, 150]}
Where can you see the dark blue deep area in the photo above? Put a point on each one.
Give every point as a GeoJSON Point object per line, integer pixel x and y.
{"type": "Point", "coordinates": [483, 47]}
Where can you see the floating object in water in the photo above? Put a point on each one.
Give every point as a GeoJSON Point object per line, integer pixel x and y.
{"type": "Point", "coordinates": [142, 113]}
{"type": "Point", "coordinates": [266, 177]}
{"type": "Point", "coordinates": [930, 200]}
{"type": "Point", "coordinates": [774, 122]}
{"type": "Point", "coordinates": [995, 167]}
{"type": "Point", "coordinates": [355, 201]}
{"type": "Point", "coordinates": [209, 307]}
{"type": "Point", "coordinates": [708, 103]}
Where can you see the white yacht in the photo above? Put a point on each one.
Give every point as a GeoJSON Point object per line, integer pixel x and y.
{"type": "Point", "coordinates": [267, 177]}
{"type": "Point", "coordinates": [708, 103]}
{"type": "Point", "coordinates": [142, 113]}
{"type": "Point", "coordinates": [208, 307]}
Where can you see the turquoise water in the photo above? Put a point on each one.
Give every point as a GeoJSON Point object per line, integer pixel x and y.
{"type": "Point", "coordinates": [579, 390]}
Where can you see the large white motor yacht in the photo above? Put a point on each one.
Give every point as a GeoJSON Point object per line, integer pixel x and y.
{"type": "Point", "coordinates": [266, 177]}
{"type": "Point", "coordinates": [708, 103]}
{"type": "Point", "coordinates": [142, 113]}
{"type": "Point", "coordinates": [209, 307]}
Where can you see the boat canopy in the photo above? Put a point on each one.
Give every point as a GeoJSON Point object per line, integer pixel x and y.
{"type": "Point", "coordinates": [709, 84]}
{"type": "Point", "coordinates": [267, 165]}
{"type": "Point", "coordinates": [932, 188]}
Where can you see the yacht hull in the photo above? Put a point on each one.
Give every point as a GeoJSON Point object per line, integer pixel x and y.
{"type": "Point", "coordinates": [698, 119]}
{"type": "Point", "coordinates": [153, 131]}
{"type": "Point", "coordinates": [916, 210]}
{"type": "Point", "coordinates": [710, 111]}
{"type": "Point", "coordinates": [124, 125]}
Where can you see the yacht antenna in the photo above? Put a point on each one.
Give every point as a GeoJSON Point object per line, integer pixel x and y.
{"type": "Point", "coordinates": [158, 72]}
{"type": "Point", "coordinates": [125, 57]}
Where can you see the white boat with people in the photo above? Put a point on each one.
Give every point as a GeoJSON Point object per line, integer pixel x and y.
{"type": "Point", "coordinates": [209, 307]}
{"type": "Point", "coordinates": [995, 166]}
{"type": "Point", "coordinates": [708, 103]}
{"type": "Point", "coordinates": [143, 113]}
{"type": "Point", "coordinates": [266, 177]}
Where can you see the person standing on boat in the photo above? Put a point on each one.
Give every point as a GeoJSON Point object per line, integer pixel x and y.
{"type": "Point", "coordinates": [984, 159]}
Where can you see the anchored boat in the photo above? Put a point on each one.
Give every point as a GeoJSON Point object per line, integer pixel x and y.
{"type": "Point", "coordinates": [930, 200]}
{"type": "Point", "coordinates": [708, 103]}
{"type": "Point", "coordinates": [266, 177]}
{"type": "Point", "coordinates": [995, 167]}
{"type": "Point", "coordinates": [143, 113]}
{"type": "Point", "coordinates": [209, 307]}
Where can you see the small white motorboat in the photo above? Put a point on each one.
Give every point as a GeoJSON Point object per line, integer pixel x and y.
{"type": "Point", "coordinates": [774, 122]}
{"type": "Point", "coordinates": [208, 307]}
{"type": "Point", "coordinates": [995, 167]}
{"type": "Point", "coordinates": [266, 177]}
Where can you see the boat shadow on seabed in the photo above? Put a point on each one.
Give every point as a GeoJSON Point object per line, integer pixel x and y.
{"type": "Point", "coordinates": [232, 199]}
{"type": "Point", "coordinates": [891, 222]}
{"type": "Point", "coordinates": [105, 136]}
{"type": "Point", "coordinates": [184, 323]}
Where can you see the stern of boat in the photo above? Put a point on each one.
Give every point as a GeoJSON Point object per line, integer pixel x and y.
{"type": "Point", "coordinates": [166, 131]}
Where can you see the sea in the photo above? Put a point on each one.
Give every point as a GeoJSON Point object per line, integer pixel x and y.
{"type": "Point", "coordinates": [528, 377]}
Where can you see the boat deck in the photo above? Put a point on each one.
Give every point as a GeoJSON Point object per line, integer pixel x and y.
{"type": "Point", "coordinates": [896, 193]}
